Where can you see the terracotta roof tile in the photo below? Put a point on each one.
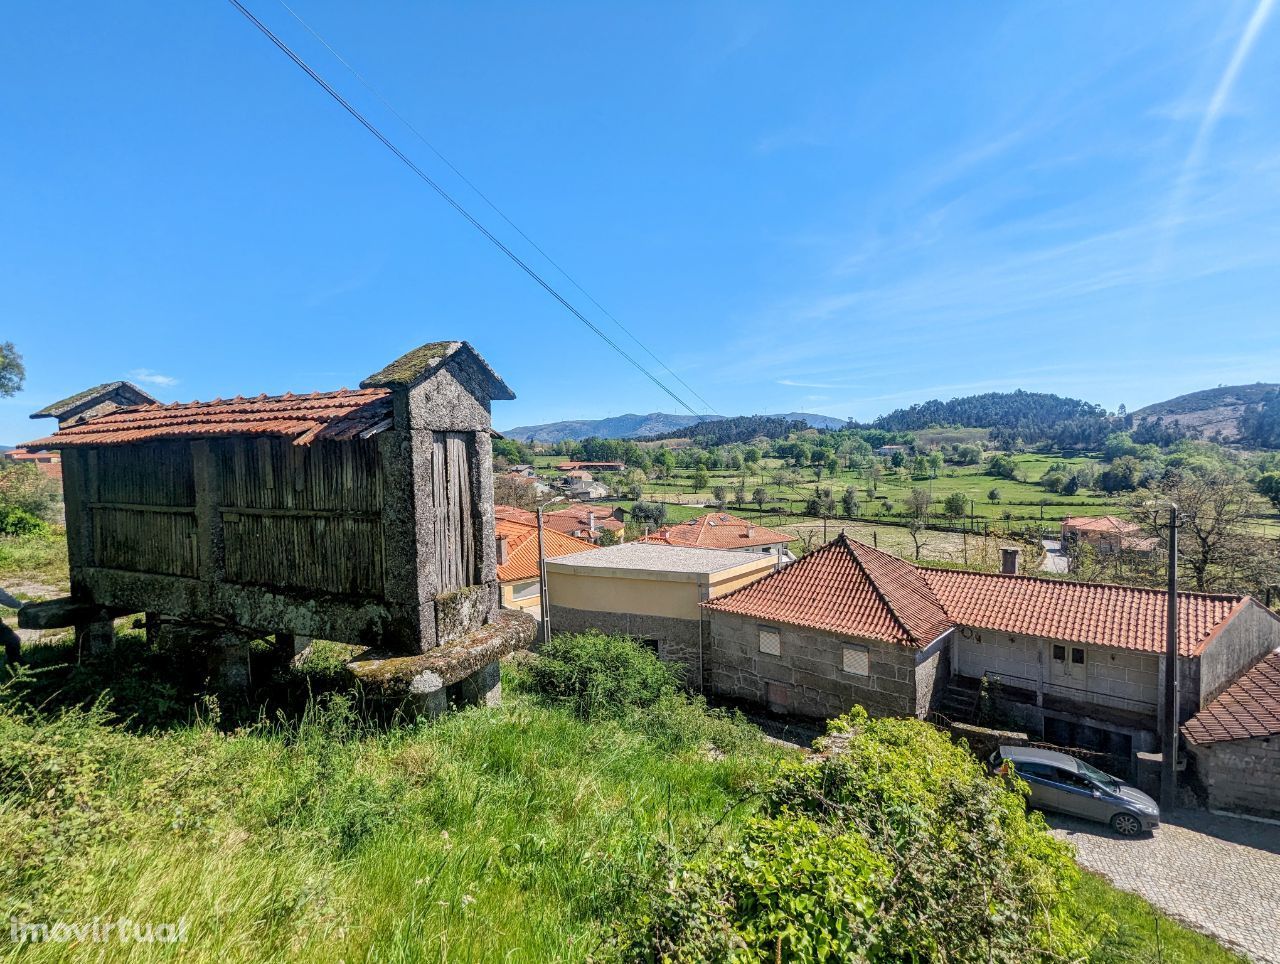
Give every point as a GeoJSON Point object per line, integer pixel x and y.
{"type": "Point", "coordinates": [522, 548]}
{"type": "Point", "coordinates": [846, 588]}
{"type": "Point", "coordinates": [575, 519]}
{"type": "Point", "coordinates": [1126, 616]}
{"type": "Point", "coordinates": [1247, 709]}
{"type": "Point", "coordinates": [333, 415]}
{"type": "Point", "coordinates": [717, 530]}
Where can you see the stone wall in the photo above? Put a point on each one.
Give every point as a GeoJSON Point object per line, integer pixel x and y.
{"type": "Point", "coordinates": [808, 677]}
{"type": "Point", "coordinates": [1240, 775]}
{"type": "Point", "coordinates": [676, 640]}
{"type": "Point", "coordinates": [1248, 637]}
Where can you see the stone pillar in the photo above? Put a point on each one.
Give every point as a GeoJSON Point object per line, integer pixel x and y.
{"type": "Point", "coordinates": [95, 637]}
{"type": "Point", "coordinates": [481, 688]}
{"type": "Point", "coordinates": [229, 664]}
{"type": "Point", "coordinates": [428, 696]}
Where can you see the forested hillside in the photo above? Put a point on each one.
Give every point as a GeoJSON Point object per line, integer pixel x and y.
{"type": "Point", "coordinates": [1029, 416]}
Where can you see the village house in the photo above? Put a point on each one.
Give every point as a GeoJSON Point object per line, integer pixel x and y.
{"type": "Point", "coordinates": [518, 558]}
{"type": "Point", "coordinates": [1234, 742]}
{"type": "Point", "coordinates": [888, 451]}
{"type": "Point", "coordinates": [1077, 664]}
{"type": "Point", "coordinates": [1107, 535]}
{"type": "Point", "coordinates": [586, 491]}
{"type": "Point", "coordinates": [649, 591]}
{"type": "Point", "coordinates": [579, 521]}
{"type": "Point", "coordinates": [48, 463]}
{"type": "Point", "coordinates": [364, 517]}
{"type": "Point", "coordinates": [592, 467]}
{"type": "Point", "coordinates": [719, 530]}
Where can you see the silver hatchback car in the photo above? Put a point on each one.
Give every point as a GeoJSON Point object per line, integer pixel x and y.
{"type": "Point", "coordinates": [1063, 783]}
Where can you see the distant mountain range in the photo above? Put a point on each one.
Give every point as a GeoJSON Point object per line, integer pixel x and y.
{"type": "Point", "coordinates": [639, 426]}
{"type": "Point", "coordinates": [1212, 413]}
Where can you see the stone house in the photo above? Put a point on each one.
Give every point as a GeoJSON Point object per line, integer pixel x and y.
{"type": "Point", "coordinates": [364, 517]}
{"type": "Point", "coordinates": [651, 592]}
{"type": "Point", "coordinates": [720, 530]}
{"type": "Point", "coordinates": [1234, 742]}
{"type": "Point", "coordinates": [1108, 535]}
{"type": "Point", "coordinates": [1079, 664]}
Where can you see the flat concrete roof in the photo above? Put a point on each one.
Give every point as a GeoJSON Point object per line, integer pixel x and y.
{"type": "Point", "coordinates": [652, 557]}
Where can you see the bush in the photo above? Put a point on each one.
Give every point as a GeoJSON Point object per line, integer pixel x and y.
{"type": "Point", "coordinates": [600, 676]}
{"type": "Point", "coordinates": [895, 846]}
{"type": "Point", "coordinates": [19, 522]}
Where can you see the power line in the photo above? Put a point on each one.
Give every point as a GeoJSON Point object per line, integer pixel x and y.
{"type": "Point", "coordinates": [386, 142]}
{"type": "Point", "coordinates": [484, 197]}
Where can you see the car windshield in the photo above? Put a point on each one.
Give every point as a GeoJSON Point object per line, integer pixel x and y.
{"type": "Point", "coordinates": [1097, 776]}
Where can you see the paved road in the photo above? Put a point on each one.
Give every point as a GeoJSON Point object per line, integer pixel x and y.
{"type": "Point", "coordinates": [1219, 875]}
{"type": "Point", "coordinates": [1055, 559]}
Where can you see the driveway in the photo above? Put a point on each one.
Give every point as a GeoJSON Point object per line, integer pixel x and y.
{"type": "Point", "coordinates": [1219, 875]}
{"type": "Point", "coordinates": [1055, 557]}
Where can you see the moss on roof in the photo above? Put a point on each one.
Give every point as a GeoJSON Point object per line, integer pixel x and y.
{"type": "Point", "coordinates": [410, 367]}
{"type": "Point", "coordinates": [72, 402]}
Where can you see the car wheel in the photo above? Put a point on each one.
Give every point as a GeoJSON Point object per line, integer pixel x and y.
{"type": "Point", "coordinates": [1126, 824]}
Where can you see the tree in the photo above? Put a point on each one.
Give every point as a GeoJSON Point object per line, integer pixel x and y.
{"type": "Point", "coordinates": [740, 494]}
{"type": "Point", "coordinates": [832, 464]}
{"type": "Point", "coordinates": [515, 490]}
{"type": "Point", "coordinates": [849, 502]}
{"type": "Point", "coordinates": [919, 466]}
{"type": "Point", "coordinates": [935, 463]}
{"type": "Point", "coordinates": [1268, 486]}
{"type": "Point", "coordinates": [759, 495]}
{"type": "Point", "coordinates": [720, 496]}
{"type": "Point", "coordinates": [12, 371]}
{"type": "Point", "coordinates": [651, 512]}
{"type": "Point", "coordinates": [874, 474]}
{"type": "Point", "coordinates": [917, 509]}
{"type": "Point", "coordinates": [700, 479]}
{"type": "Point", "coordinates": [24, 488]}
{"type": "Point", "coordinates": [953, 506]}
{"type": "Point", "coordinates": [821, 505]}
{"type": "Point", "coordinates": [898, 459]}
{"type": "Point", "coordinates": [993, 496]}
{"type": "Point", "coordinates": [1213, 512]}
{"type": "Point", "coordinates": [606, 537]}
{"type": "Point", "coordinates": [1003, 467]}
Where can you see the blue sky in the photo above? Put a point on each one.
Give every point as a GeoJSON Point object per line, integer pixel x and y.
{"type": "Point", "coordinates": [838, 208]}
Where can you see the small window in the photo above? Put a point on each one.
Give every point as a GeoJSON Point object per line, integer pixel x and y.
{"type": "Point", "coordinates": [857, 660]}
{"type": "Point", "coordinates": [1077, 655]}
{"type": "Point", "coordinates": [525, 590]}
{"type": "Point", "coordinates": [770, 641]}
{"type": "Point", "coordinates": [1059, 653]}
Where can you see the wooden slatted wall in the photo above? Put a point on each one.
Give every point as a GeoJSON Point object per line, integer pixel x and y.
{"type": "Point", "coordinates": [142, 508]}
{"type": "Point", "coordinates": [301, 517]}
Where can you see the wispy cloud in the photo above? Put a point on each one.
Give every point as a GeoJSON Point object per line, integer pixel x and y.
{"type": "Point", "coordinates": [1208, 121]}
{"type": "Point", "coordinates": [149, 377]}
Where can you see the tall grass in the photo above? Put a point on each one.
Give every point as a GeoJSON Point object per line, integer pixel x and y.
{"type": "Point", "coordinates": [513, 833]}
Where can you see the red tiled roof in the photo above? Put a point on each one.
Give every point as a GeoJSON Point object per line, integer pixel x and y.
{"type": "Point", "coordinates": [717, 530]}
{"type": "Point", "coordinates": [337, 415]}
{"type": "Point", "coordinates": [522, 548]}
{"type": "Point", "coordinates": [1247, 709]}
{"type": "Point", "coordinates": [1126, 616]}
{"type": "Point", "coordinates": [514, 514]}
{"type": "Point", "coordinates": [847, 588]}
{"type": "Point", "coordinates": [575, 519]}
{"type": "Point", "coordinates": [1101, 523]}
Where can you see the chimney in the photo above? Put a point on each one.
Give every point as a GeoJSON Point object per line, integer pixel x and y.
{"type": "Point", "coordinates": [1009, 561]}
{"type": "Point", "coordinates": [503, 551]}
{"type": "Point", "coordinates": [750, 530]}
{"type": "Point", "coordinates": [591, 521]}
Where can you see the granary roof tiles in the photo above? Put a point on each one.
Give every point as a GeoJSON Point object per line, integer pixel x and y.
{"type": "Point", "coordinates": [1247, 709]}
{"type": "Point", "coordinates": [846, 588]}
{"type": "Point", "coordinates": [717, 530]}
{"type": "Point", "coordinates": [337, 415]}
{"type": "Point", "coordinates": [851, 589]}
{"type": "Point", "coordinates": [522, 548]}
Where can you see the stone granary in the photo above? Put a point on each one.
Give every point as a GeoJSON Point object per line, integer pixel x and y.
{"type": "Point", "coordinates": [362, 516]}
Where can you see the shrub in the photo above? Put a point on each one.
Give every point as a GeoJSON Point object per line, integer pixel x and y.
{"type": "Point", "coordinates": [600, 676]}
{"type": "Point", "coordinates": [894, 846]}
{"type": "Point", "coordinates": [19, 522]}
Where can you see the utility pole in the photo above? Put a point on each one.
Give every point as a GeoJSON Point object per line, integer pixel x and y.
{"type": "Point", "coordinates": [544, 601]}
{"type": "Point", "coordinates": [1169, 756]}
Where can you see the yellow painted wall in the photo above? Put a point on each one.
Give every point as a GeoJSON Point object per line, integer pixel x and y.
{"type": "Point", "coordinates": [509, 600]}
{"type": "Point", "coordinates": [666, 594]}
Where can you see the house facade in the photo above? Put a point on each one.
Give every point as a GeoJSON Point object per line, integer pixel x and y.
{"type": "Point", "coordinates": [1079, 664]}
{"type": "Point", "coordinates": [1234, 743]}
{"type": "Point", "coordinates": [1108, 535]}
{"type": "Point", "coordinates": [651, 592]}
